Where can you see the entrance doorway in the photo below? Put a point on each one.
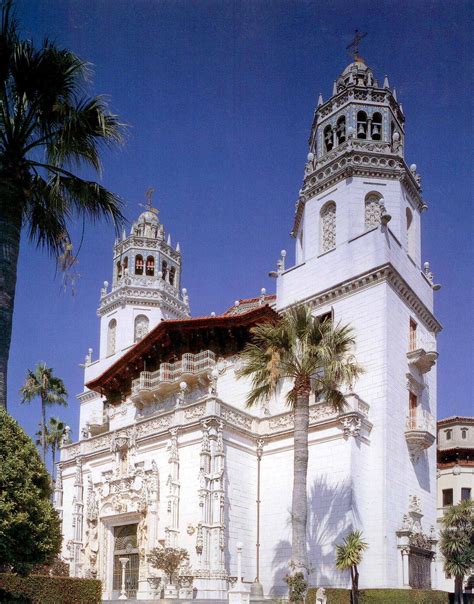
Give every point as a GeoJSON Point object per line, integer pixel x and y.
{"type": "Point", "coordinates": [126, 546]}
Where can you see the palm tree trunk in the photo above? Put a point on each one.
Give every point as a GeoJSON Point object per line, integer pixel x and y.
{"type": "Point", "coordinates": [53, 456]}
{"type": "Point", "coordinates": [43, 428]}
{"type": "Point", "coordinates": [10, 231]}
{"type": "Point", "coordinates": [458, 597]}
{"type": "Point", "coordinates": [299, 507]}
{"type": "Point", "coordinates": [355, 584]}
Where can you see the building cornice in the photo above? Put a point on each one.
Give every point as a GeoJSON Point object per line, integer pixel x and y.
{"type": "Point", "coordinates": [352, 422]}
{"type": "Point", "coordinates": [129, 295]}
{"type": "Point", "coordinates": [384, 273]}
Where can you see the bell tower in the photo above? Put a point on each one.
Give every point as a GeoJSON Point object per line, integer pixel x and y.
{"type": "Point", "coordinates": [357, 228]}
{"type": "Point", "coordinates": [145, 285]}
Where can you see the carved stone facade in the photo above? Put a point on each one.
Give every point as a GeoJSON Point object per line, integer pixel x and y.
{"type": "Point", "coordinates": [167, 454]}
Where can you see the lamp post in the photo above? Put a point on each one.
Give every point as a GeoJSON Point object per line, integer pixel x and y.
{"type": "Point", "coordinates": [123, 593]}
{"type": "Point", "coordinates": [256, 589]}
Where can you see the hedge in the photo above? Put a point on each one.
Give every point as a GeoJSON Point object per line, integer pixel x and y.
{"type": "Point", "coordinates": [382, 596]}
{"type": "Point", "coordinates": [40, 589]}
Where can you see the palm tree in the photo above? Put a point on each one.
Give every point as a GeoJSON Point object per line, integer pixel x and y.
{"type": "Point", "coordinates": [349, 556]}
{"type": "Point", "coordinates": [312, 355]}
{"type": "Point", "coordinates": [47, 128]}
{"type": "Point", "coordinates": [42, 384]}
{"type": "Point", "coordinates": [457, 544]}
{"type": "Point", "coordinates": [55, 432]}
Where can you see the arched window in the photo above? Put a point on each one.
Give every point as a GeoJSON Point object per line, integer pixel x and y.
{"type": "Point", "coordinates": [410, 232]}
{"type": "Point", "coordinates": [140, 327]}
{"type": "Point", "coordinates": [464, 433]}
{"type": "Point", "coordinates": [164, 270]}
{"type": "Point", "coordinates": [150, 266]}
{"type": "Point", "coordinates": [172, 276]}
{"type": "Point", "coordinates": [373, 210]}
{"type": "Point", "coordinates": [361, 124]}
{"type": "Point", "coordinates": [376, 130]}
{"type": "Point", "coordinates": [341, 129]}
{"type": "Point", "coordinates": [139, 265]}
{"type": "Point", "coordinates": [328, 227]}
{"type": "Point", "coordinates": [328, 138]}
{"type": "Point", "coordinates": [119, 270]}
{"type": "Point", "coordinates": [111, 337]}
{"type": "Point", "coordinates": [125, 265]}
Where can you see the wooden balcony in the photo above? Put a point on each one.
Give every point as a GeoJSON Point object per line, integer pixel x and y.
{"type": "Point", "coordinates": [420, 433]}
{"type": "Point", "coordinates": [167, 378]}
{"type": "Point", "coordinates": [422, 354]}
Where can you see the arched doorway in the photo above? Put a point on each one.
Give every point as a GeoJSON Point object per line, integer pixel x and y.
{"type": "Point", "coordinates": [126, 546]}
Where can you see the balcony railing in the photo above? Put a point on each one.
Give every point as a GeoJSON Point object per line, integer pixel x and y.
{"type": "Point", "coordinates": [420, 432]}
{"type": "Point", "coordinates": [421, 352]}
{"type": "Point", "coordinates": [169, 374]}
{"type": "Point", "coordinates": [423, 421]}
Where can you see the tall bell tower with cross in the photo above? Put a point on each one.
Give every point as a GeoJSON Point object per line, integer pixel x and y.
{"type": "Point", "coordinates": [357, 230]}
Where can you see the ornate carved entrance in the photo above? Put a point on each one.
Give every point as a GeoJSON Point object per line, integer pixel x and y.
{"type": "Point", "coordinates": [126, 546]}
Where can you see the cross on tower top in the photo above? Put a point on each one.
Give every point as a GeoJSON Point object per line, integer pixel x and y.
{"type": "Point", "coordinates": [148, 205]}
{"type": "Point", "coordinates": [355, 43]}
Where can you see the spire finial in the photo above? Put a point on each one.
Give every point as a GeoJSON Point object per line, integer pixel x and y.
{"type": "Point", "coordinates": [148, 205]}
{"type": "Point", "coordinates": [354, 45]}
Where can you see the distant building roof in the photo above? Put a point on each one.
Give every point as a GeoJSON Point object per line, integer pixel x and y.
{"type": "Point", "coordinates": [455, 419]}
{"type": "Point", "coordinates": [246, 304]}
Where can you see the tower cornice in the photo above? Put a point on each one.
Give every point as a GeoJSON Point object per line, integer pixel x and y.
{"type": "Point", "coordinates": [369, 159]}
{"type": "Point", "coordinates": [165, 297]}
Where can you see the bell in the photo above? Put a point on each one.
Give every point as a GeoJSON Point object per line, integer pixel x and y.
{"type": "Point", "coordinates": [361, 129]}
{"type": "Point", "coordinates": [376, 129]}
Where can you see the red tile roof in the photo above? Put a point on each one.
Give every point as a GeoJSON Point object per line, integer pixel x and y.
{"type": "Point", "coordinates": [163, 339]}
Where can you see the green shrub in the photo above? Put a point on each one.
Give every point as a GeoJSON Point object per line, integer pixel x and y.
{"type": "Point", "coordinates": [38, 589]}
{"type": "Point", "coordinates": [382, 596]}
{"type": "Point", "coordinates": [403, 596]}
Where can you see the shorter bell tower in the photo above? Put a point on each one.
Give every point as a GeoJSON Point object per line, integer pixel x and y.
{"type": "Point", "coordinates": [145, 285]}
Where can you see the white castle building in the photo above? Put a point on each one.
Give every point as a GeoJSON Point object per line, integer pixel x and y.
{"type": "Point", "coordinates": [170, 455]}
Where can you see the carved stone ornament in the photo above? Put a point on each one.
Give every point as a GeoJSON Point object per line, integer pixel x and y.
{"type": "Point", "coordinates": [351, 425]}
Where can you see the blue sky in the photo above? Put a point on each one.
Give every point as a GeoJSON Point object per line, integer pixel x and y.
{"type": "Point", "coordinates": [219, 98]}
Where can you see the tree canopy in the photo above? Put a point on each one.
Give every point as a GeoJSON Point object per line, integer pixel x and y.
{"type": "Point", "coordinates": [29, 526]}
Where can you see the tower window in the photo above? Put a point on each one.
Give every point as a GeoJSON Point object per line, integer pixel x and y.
{"type": "Point", "coordinates": [140, 327]}
{"type": "Point", "coordinates": [361, 124]}
{"type": "Point", "coordinates": [111, 337]}
{"type": "Point", "coordinates": [447, 497]}
{"type": "Point", "coordinates": [119, 270]}
{"type": "Point", "coordinates": [341, 129]}
{"type": "Point", "coordinates": [150, 266]}
{"type": "Point", "coordinates": [125, 265]}
{"type": "Point", "coordinates": [412, 335]}
{"type": "Point", "coordinates": [139, 265]}
{"type": "Point", "coordinates": [164, 270]}
{"type": "Point", "coordinates": [328, 138]}
{"type": "Point", "coordinates": [328, 227]}
{"type": "Point", "coordinates": [412, 405]}
{"type": "Point", "coordinates": [376, 133]}
{"type": "Point", "coordinates": [410, 232]}
{"type": "Point", "coordinates": [172, 275]}
{"type": "Point", "coordinates": [373, 211]}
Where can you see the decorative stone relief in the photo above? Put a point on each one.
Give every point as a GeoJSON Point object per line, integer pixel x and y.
{"type": "Point", "coordinates": [328, 227]}
{"type": "Point", "coordinates": [373, 212]}
{"type": "Point", "coordinates": [236, 418]}
{"type": "Point", "coordinates": [351, 425]}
